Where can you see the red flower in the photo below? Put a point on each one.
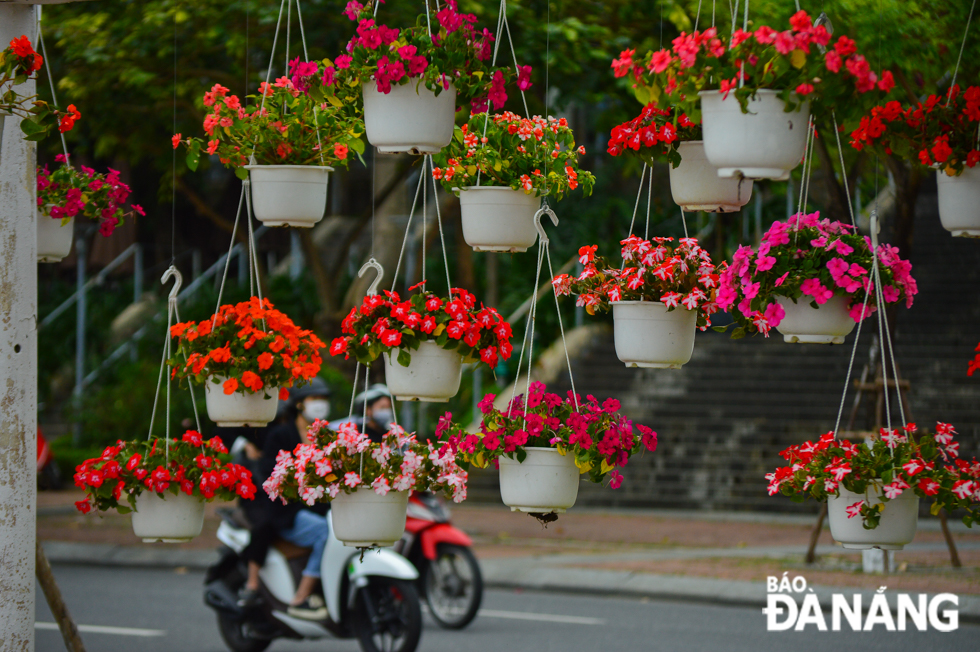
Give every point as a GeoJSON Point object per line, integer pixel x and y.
{"type": "Point", "coordinates": [338, 346]}
{"type": "Point", "coordinates": [84, 506]}
{"type": "Point", "coordinates": [283, 394]}
{"type": "Point", "coordinates": [230, 385]}
{"type": "Point", "coordinates": [265, 361]}
{"type": "Point", "coordinates": [68, 119]}
{"type": "Point", "coordinates": [192, 437]}
{"type": "Point", "coordinates": [391, 338]}
{"type": "Point", "coordinates": [252, 381]}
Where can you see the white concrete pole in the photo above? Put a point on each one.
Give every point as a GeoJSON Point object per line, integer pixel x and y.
{"type": "Point", "coordinates": [18, 363]}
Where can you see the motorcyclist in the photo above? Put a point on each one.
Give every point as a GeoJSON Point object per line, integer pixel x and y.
{"type": "Point", "coordinates": [378, 412]}
{"type": "Point", "coordinates": [301, 525]}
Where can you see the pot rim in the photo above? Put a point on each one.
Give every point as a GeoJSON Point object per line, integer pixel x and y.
{"type": "Point", "coordinates": [653, 303]}
{"type": "Point", "coordinates": [467, 188]}
{"type": "Point", "coordinates": [766, 91]}
{"type": "Point", "coordinates": [324, 168]}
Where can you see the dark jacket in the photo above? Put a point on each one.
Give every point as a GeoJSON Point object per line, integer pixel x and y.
{"type": "Point", "coordinates": [284, 437]}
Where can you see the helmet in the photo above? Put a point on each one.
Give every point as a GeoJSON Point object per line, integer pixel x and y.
{"type": "Point", "coordinates": [316, 387]}
{"type": "Point", "coordinates": [370, 395]}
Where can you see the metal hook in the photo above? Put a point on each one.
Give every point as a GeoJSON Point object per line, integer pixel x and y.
{"type": "Point", "coordinates": [178, 281]}
{"type": "Point", "coordinates": [372, 264]}
{"type": "Point", "coordinates": [544, 210]}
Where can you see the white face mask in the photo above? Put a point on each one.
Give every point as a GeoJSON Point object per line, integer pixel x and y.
{"type": "Point", "coordinates": [315, 408]}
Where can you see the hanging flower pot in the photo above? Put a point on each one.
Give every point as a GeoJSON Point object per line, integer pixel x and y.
{"type": "Point", "coordinates": [405, 332]}
{"type": "Point", "coordinates": [696, 186]}
{"type": "Point", "coordinates": [410, 118]}
{"type": "Point", "coordinates": [544, 482]}
{"type": "Point", "coordinates": [498, 218]}
{"type": "Point", "coordinates": [364, 519]}
{"type": "Point", "coordinates": [167, 518]}
{"type": "Point", "coordinates": [764, 143]}
{"type": "Point", "coordinates": [896, 528]}
{"type": "Point", "coordinates": [289, 195]}
{"type": "Point", "coordinates": [246, 356]}
{"type": "Point", "coordinates": [959, 202]}
{"type": "Point", "coordinates": [142, 476]}
{"type": "Point", "coordinates": [647, 335]}
{"type": "Point", "coordinates": [804, 324]}
{"type": "Point", "coordinates": [53, 239]}
{"type": "Point", "coordinates": [433, 374]}
{"type": "Point", "coordinates": [237, 409]}
{"type": "Point", "coordinates": [367, 483]}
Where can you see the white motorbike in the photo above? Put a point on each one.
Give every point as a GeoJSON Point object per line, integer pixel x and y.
{"type": "Point", "coordinates": [370, 596]}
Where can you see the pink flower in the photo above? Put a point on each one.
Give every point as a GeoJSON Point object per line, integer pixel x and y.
{"type": "Point", "coordinates": [524, 77]}
{"type": "Point", "coordinates": [893, 490]}
{"type": "Point", "coordinates": [859, 311]}
{"type": "Point", "coordinates": [804, 89]}
{"type": "Point", "coordinates": [832, 60]}
{"type": "Point", "coordinates": [781, 279]}
{"type": "Point", "coordinates": [774, 314]}
{"type": "Point", "coordinates": [615, 480]}
{"type": "Point", "coordinates": [785, 43]}
{"type": "Point", "coordinates": [660, 61]}
{"type": "Point", "coordinates": [764, 263]}
{"type": "Point", "coordinates": [855, 509]}
{"type": "Point", "coordinates": [497, 94]}
{"type": "Point", "coordinates": [765, 35]}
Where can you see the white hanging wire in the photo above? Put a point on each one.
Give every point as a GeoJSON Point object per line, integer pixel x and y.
{"type": "Point", "coordinates": [646, 229]}
{"type": "Point", "coordinates": [843, 171]}
{"type": "Point", "coordinates": [684, 222]}
{"type": "Point", "coordinates": [442, 239]}
{"type": "Point", "coordinates": [960, 57]}
{"type": "Point", "coordinates": [408, 227]}
{"type": "Point", "coordinates": [639, 193]}
{"type": "Point", "coordinates": [54, 97]}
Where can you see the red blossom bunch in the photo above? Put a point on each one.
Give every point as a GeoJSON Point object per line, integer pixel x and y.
{"type": "Point", "coordinates": [894, 461]}
{"type": "Point", "coordinates": [941, 132]}
{"type": "Point", "coordinates": [190, 465]}
{"type": "Point", "coordinates": [68, 192]}
{"type": "Point", "coordinates": [251, 344]}
{"type": "Point", "coordinates": [974, 364]}
{"type": "Point", "coordinates": [679, 276]}
{"type": "Point", "coordinates": [18, 63]}
{"type": "Point", "coordinates": [653, 135]}
{"type": "Point", "coordinates": [600, 438]}
{"type": "Point", "coordinates": [800, 63]}
{"type": "Point", "coordinates": [383, 323]}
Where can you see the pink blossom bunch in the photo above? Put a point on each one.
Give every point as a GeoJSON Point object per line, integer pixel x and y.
{"type": "Point", "coordinates": [895, 461]}
{"type": "Point", "coordinates": [68, 192]}
{"type": "Point", "coordinates": [600, 439]}
{"type": "Point", "coordinates": [679, 276]}
{"type": "Point", "coordinates": [347, 461]}
{"type": "Point", "coordinates": [814, 260]}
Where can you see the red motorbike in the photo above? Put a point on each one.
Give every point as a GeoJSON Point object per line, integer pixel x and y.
{"type": "Point", "coordinates": [449, 574]}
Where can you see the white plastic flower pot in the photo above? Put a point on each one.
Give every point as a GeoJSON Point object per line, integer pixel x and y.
{"type": "Point", "coordinates": [289, 195]}
{"type": "Point", "coordinates": [171, 519]}
{"type": "Point", "coordinates": [364, 519]}
{"type": "Point", "coordinates": [53, 239]}
{"type": "Point", "coordinates": [237, 410]}
{"type": "Point", "coordinates": [498, 218]}
{"type": "Point", "coordinates": [410, 118]}
{"type": "Point", "coordinates": [546, 481]}
{"type": "Point", "coordinates": [647, 335]}
{"type": "Point", "coordinates": [803, 324]}
{"type": "Point", "coordinates": [765, 143]}
{"type": "Point", "coordinates": [959, 202]}
{"type": "Point", "coordinates": [896, 528]}
{"type": "Point", "coordinates": [433, 374]}
{"type": "Point", "coordinates": [695, 185]}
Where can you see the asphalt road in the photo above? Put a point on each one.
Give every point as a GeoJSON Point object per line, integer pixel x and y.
{"type": "Point", "coordinates": [162, 611]}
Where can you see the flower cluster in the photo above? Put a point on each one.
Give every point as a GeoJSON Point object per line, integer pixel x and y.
{"type": "Point", "coordinates": [940, 132]}
{"type": "Point", "coordinates": [305, 119]}
{"type": "Point", "coordinates": [679, 276]}
{"type": "Point", "coordinates": [601, 439]}
{"type": "Point", "coordinates": [456, 54]}
{"type": "Point", "coordinates": [349, 461]}
{"type": "Point", "coordinates": [383, 323]}
{"type": "Point", "coordinates": [191, 465]}
{"type": "Point", "coordinates": [18, 63]}
{"type": "Point", "coordinates": [893, 462]}
{"type": "Point", "coordinates": [250, 344]}
{"type": "Point", "coordinates": [807, 256]}
{"type": "Point", "coordinates": [653, 135]}
{"type": "Point", "coordinates": [974, 364]}
{"type": "Point", "coordinates": [68, 192]}
{"type": "Point", "coordinates": [529, 154]}
{"type": "Point", "coordinates": [799, 62]}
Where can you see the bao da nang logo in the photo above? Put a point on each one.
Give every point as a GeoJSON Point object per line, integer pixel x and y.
{"type": "Point", "coordinates": [791, 605]}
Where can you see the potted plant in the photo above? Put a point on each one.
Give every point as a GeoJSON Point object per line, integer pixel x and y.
{"type": "Point", "coordinates": [411, 81]}
{"type": "Point", "coordinates": [424, 340]}
{"type": "Point", "coordinates": [659, 135]}
{"type": "Point", "coordinates": [19, 63]}
{"type": "Point", "coordinates": [808, 279]}
{"type": "Point", "coordinates": [873, 490]}
{"type": "Point", "coordinates": [758, 91]}
{"type": "Point", "coordinates": [285, 140]}
{"type": "Point", "coordinates": [164, 483]}
{"type": "Point", "coordinates": [544, 443]}
{"type": "Point", "coordinates": [247, 357]}
{"type": "Point", "coordinates": [366, 483]}
{"type": "Point", "coordinates": [940, 133]}
{"type": "Point", "coordinates": [69, 192]}
{"type": "Point", "coordinates": [660, 294]}
{"type": "Point", "coordinates": [500, 166]}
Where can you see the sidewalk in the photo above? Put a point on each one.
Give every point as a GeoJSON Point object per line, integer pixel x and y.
{"type": "Point", "coordinates": [710, 557]}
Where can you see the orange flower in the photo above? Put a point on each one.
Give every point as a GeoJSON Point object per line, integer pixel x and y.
{"type": "Point", "coordinates": [277, 344]}
{"type": "Point", "coordinates": [265, 361]}
{"type": "Point", "coordinates": [221, 354]}
{"type": "Point", "coordinates": [230, 385]}
{"type": "Point", "coordinates": [178, 329]}
{"type": "Point", "coordinates": [252, 381]}
{"type": "Point", "coordinates": [283, 394]}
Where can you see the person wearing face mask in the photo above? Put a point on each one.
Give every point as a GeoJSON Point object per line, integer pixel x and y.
{"type": "Point", "coordinates": [378, 411]}
{"type": "Point", "coordinates": [297, 523]}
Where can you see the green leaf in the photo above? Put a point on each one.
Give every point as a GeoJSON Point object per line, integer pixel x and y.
{"type": "Point", "coordinates": [404, 357]}
{"type": "Point", "coordinates": [241, 173]}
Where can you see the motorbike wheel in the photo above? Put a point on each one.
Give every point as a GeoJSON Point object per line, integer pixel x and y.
{"type": "Point", "coordinates": [453, 586]}
{"type": "Point", "coordinates": [387, 616]}
{"type": "Point", "coordinates": [236, 638]}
